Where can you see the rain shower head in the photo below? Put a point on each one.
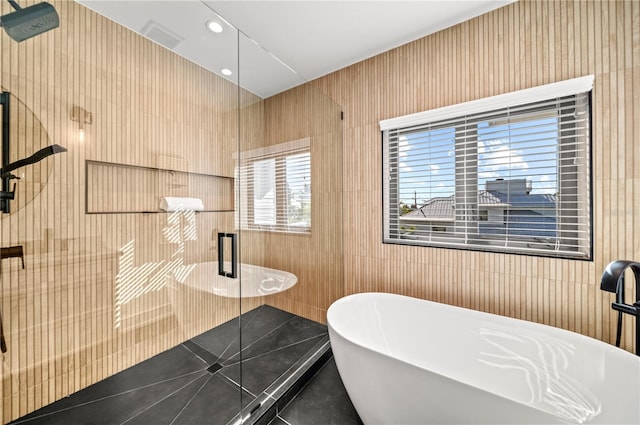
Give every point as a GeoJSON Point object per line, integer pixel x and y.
{"type": "Point", "coordinates": [30, 21]}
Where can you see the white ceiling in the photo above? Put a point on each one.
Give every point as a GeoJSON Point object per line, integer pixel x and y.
{"type": "Point", "coordinates": [284, 43]}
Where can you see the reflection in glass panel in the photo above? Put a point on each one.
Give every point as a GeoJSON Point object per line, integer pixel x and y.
{"type": "Point", "coordinates": [110, 228]}
{"type": "Point", "coordinates": [264, 192]}
{"type": "Point", "coordinates": [298, 189]}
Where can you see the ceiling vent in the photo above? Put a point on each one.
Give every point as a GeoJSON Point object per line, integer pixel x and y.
{"type": "Point", "coordinates": [161, 35]}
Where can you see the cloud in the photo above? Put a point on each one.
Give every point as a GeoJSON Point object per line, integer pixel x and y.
{"type": "Point", "coordinates": [403, 146]}
{"type": "Point", "coordinates": [403, 152]}
{"type": "Point", "coordinates": [495, 155]}
{"type": "Point", "coordinates": [488, 175]}
{"type": "Point", "coordinates": [544, 184]}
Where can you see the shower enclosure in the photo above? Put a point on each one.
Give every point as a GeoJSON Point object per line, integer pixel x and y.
{"type": "Point", "coordinates": [161, 161]}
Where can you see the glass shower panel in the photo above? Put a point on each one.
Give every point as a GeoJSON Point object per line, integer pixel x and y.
{"type": "Point", "coordinates": [109, 235]}
{"type": "Point", "coordinates": [289, 219]}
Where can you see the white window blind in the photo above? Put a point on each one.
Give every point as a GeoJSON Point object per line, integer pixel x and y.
{"type": "Point", "coordinates": [275, 188]}
{"type": "Point", "coordinates": [514, 178]}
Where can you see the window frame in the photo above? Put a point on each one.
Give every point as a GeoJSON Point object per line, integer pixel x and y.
{"type": "Point", "coordinates": [393, 225]}
{"type": "Point", "coordinates": [279, 153]}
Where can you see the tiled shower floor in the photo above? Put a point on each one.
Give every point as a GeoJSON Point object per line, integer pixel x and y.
{"type": "Point", "coordinates": [322, 401]}
{"type": "Point", "coordinates": [196, 382]}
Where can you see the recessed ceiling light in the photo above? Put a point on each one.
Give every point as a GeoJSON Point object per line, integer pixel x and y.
{"type": "Point", "coordinates": [214, 26]}
{"type": "Point", "coordinates": [226, 71]}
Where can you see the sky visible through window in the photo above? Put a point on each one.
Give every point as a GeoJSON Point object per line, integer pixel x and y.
{"type": "Point", "coordinates": [526, 148]}
{"type": "Point", "coordinates": [427, 165]}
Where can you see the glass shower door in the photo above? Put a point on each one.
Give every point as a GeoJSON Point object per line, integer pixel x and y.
{"type": "Point", "coordinates": [157, 142]}
{"type": "Point", "coordinates": [108, 272]}
{"type": "Point", "coordinates": [289, 221]}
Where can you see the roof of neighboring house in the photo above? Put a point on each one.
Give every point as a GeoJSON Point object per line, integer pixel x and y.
{"type": "Point", "coordinates": [492, 198]}
{"type": "Point", "coordinates": [439, 208]}
{"type": "Point", "coordinates": [522, 223]}
{"type": "Point", "coordinates": [443, 208]}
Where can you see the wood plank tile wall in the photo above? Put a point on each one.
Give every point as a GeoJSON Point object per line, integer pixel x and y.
{"type": "Point", "coordinates": [59, 312]}
{"type": "Point", "coordinates": [68, 315]}
{"type": "Point", "coordinates": [522, 45]}
{"type": "Point", "coordinates": [316, 259]}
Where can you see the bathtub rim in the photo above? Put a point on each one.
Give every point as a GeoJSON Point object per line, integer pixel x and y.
{"type": "Point", "coordinates": [588, 338]}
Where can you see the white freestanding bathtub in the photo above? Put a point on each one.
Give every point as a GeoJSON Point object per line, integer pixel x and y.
{"type": "Point", "coordinates": [410, 361]}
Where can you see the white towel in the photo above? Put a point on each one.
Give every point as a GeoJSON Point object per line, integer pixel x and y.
{"type": "Point", "coordinates": [172, 203]}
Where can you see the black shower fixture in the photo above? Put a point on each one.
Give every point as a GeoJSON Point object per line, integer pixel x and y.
{"type": "Point", "coordinates": [36, 157]}
{"type": "Point", "coordinates": [6, 176]}
{"type": "Point", "coordinates": [30, 21]}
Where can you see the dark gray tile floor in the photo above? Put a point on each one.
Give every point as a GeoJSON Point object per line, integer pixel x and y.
{"type": "Point", "coordinates": [197, 382]}
{"type": "Point", "coordinates": [323, 401]}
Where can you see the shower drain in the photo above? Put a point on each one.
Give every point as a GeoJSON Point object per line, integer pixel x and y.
{"type": "Point", "coordinates": [214, 368]}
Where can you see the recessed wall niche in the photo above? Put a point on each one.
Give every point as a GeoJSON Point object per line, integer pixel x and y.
{"type": "Point", "coordinates": [113, 188]}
